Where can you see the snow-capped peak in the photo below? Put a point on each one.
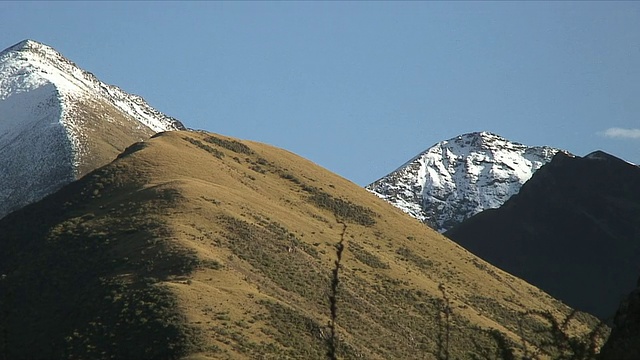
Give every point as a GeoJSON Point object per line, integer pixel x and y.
{"type": "Point", "coordinates": [32, 59]}
{"type": "Point", "coordinates": [457, 178]}
{"type": "Point", "coordinates": [25, 44]}
{"type": "Point", "coordinates": [58, 122]}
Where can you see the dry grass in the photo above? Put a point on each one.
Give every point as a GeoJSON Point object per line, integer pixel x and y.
{"type": "Point", "coordinates": [107, 131]}
{"type": "Point", "coordinates": [243, 245]}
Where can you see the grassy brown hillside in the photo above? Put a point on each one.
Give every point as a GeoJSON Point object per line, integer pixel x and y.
{"type": "Point", "coordinates": [201, 246]}
{"type": "Point", "coordinates": [107, 131]}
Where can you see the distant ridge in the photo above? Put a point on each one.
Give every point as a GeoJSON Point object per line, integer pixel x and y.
{"type": "Point", "coordinates": [572, 230]}
{"type": "Point", "coordinates": [457, 178]}
{"type": "Point", "coordinates": [58, 122]}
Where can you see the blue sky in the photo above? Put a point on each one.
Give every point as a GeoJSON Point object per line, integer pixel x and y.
{"type": "Point", "coordinates": [361, 87]}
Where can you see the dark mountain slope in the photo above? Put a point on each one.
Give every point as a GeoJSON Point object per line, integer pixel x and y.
{"type": "Point", "coordinates": [573, 230]}
{"type": "Point", "coordinates": [193, 244]}
{"type": "Point", "coordinates": [624, 342]}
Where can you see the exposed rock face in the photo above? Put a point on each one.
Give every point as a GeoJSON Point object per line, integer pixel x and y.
{"type": "Point", "coordinates": [58, 122]}
{"type": "Point", "coordinates": [459, 177]}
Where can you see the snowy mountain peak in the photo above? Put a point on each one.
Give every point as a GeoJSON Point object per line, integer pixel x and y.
{"type": "Point", "coordinates": [483, 137]}
{"type": "Point", "coordinates": [457, 178]}
{"type": "Point", "coordinates": [58, 122]}
{"type": "Point", "coordinates": [30, 63]}
{"type": "Point", "coordinates": [33, 46]}
{"type": "Point", "coordinates": [485, 140]}
{"type": "Point", "coordinates": [27, 44]}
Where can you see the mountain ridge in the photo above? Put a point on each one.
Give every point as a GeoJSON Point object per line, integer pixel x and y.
{"type": "Point", "coordinates": [153, 242]}
{"type": "Point", "coordinates": [58, 122]}
{"type": "Point", "coordinates": [150, 117]}
{"type": "Point", "coordinates": [457, 178]}
{"type": "Point", "coordinates": [574, 222]}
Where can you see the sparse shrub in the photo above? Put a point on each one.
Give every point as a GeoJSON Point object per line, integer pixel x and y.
{"type": "Point", "coordinates": [232, 145]}
{"type": "Point", "coordinates": [210, 264]}
{"type": "Point", "coordinates": [215, 152]}
{"type": "Point", "coordinates": [366, 257]}
{"type": "Point", "coordinates": [559, 341]}
{"type": "Point", "coordinates": [258, 169]}
{"type": "Point", "coordinates": [417, 260]}
{"type": "Point", "coordinates": [342, 209]}
{"type": "Point", "coordinates": [290, 177]}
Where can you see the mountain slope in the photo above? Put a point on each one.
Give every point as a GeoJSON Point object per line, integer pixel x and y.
{"type": "Point", "coordinates": [58, 122]}
{"type": "Point", "coordinates": [459, 177]}
{"type": "Point", "coordinates": [572, 230]}
{"type": "Point", "coordinates": [623, 343]}
{"type": "Point", "coordinates": [194, 244]}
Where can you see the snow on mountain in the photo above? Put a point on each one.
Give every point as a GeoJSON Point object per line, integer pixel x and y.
{"type": "Point", "coordinates": [57, 122]}
{"type": "Point", "coordinates": [459, 177]}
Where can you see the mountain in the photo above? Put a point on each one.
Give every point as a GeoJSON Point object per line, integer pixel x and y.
{"type": "Point", "coordinates": [457, 178]}
{"type": "Point", "coordinates": [572, 230]}
{"type": "Point", "coordinates": [195, 245]}
{"type": "Point", "coordinates": [58, 122]}
{"type": "Point", "coordinates": [623, 343]}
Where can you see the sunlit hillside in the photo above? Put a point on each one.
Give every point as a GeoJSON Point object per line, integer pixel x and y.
{"type": "Point", "coordinates": [197, 245]}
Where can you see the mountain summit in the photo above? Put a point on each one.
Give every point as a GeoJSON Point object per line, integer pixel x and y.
{"type": "Point", "coordinates": [457, 178]}
{"type": "Point", "coordinates": [58, 122]}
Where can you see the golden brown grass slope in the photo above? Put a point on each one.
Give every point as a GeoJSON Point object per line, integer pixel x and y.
{"type": "Point", "coordinates": [201, 246]}
{"type": "Point", "coordinates": [106, 132]}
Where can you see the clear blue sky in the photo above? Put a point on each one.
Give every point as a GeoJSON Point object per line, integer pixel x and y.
{"type": "Point", "coordinates": [361, 87]}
